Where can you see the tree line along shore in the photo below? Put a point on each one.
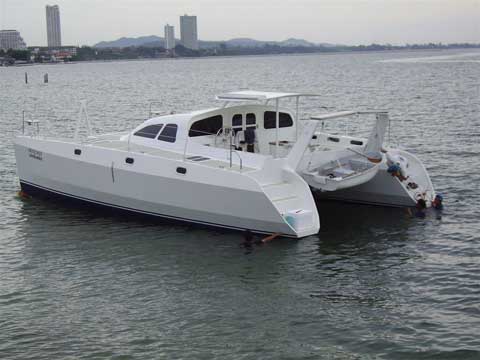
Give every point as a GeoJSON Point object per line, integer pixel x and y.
{"type": "Point", "coordinates": [87, 53]}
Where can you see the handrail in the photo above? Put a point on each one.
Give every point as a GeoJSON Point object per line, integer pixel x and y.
{"type": "Point", "coordinates": [223, 130]}
{"type": "Point", "coordinates": [216, 135]}
{"type": "Point", "coordinates": [239, 157]}
{"type": "Point", "coordinates": [30, 123]}
{"type": "Point", "coordinates": [231, 136]}
{"type": "Point", "coordinates": [106, 137]}
{"type": "Point", "coordinates": [150, 112]}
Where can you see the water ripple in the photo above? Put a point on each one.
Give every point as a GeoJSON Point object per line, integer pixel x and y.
{"type": "Point", "coordinates": [374, 283]}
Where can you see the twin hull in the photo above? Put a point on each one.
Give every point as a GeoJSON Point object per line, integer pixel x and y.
{"type": "Point", "coordinates": [150, 185]}
{"type": "Point", "coordinates": [387, 190]}
{"type": "Point", "coordinates": [383, 190]}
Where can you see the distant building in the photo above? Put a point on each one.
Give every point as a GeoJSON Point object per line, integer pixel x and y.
{"type": "Point", "coordinates": [188, 32]}
{"type": "Point", "coordinates": [169, 37]}
{"type": "Point", "coordinates": [11, 39]}
{"type": "Point", "coordinates": [54, 34]}
{"type": "Point", "coordinates": [63, 53]}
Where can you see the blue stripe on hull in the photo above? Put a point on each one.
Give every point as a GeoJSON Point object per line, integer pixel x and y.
{"type": "Point", "coordinates": [43, 192]}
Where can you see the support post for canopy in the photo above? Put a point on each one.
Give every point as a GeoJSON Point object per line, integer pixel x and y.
{"type": "Point", "coordinates": [296, 119]}
{"type": "Point", "coordinates": [231, 143]}
{"type": "Point", "coordinates": [277, 124]}
{"type": "Point", "coordinates": [185, 148]}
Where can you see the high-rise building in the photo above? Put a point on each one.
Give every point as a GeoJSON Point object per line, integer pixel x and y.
{"type": "Point", "coordinates": [188, 31]}
{"type": "Point", "coordinates": [54, 35]}
{"type": "Point", "coordinates": [11, 39]}
{"type": "Point", "coordinates": [169, 37]}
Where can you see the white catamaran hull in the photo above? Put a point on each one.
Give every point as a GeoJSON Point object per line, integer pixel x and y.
{"type": "Point", "coordinates": [151, 185]}
{"type": "Point", "coordinates": [383, 190]}
{"type": "Point", "coordinates": [244, 167]}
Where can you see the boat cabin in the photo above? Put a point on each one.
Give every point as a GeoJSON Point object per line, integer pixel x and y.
{"type": "Point", "coordinates": [254, 123]}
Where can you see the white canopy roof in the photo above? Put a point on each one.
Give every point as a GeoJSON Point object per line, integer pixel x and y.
{"type": "Point", "coordinates": [251, 95]}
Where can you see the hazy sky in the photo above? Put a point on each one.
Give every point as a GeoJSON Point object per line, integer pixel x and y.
{"type": "Point", "coordinates": [333, 21]}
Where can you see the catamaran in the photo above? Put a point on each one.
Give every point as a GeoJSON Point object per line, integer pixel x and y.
{"type": "Point", "coordinates": [247, 165]}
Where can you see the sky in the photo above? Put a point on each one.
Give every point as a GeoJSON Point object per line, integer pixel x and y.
{"type": "Point", "coordinates": [351, 22]}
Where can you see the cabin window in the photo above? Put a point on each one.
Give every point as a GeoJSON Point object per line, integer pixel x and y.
{"type": "Point", "coordinates": [251, 120]}
{"type": "Point", "coordinates": [270, 120]}
{"type": "Point", "coordinates": [237, 120]}
{"type": "Point", "coordinates": [169, 133]}
{"type": "Point", "coordinates": [149, 131]}
{"type": "Point", "coordinates": [208, 126]}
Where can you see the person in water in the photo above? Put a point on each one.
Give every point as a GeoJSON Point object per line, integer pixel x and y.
{"type": "Point", "coordinates": [421, 207]}
{"type": "Point", "coordinates": [437, 203]}
{"type": "Point", "coordinates": [249, 240]}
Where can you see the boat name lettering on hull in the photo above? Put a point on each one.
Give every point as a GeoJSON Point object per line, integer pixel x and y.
{"type": "Point", "coordinates": [35, 154]}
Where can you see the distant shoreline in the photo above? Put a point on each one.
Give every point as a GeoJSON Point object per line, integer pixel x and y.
{"type": "Point", "coordinates": [332, 52]}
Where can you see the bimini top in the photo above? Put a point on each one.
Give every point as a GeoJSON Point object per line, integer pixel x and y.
{"type": "Point", "coordinates": [252, 95]}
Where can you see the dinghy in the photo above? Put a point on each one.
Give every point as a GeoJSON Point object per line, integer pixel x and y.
{"type": "Point", "coordinates": [343, 172]}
